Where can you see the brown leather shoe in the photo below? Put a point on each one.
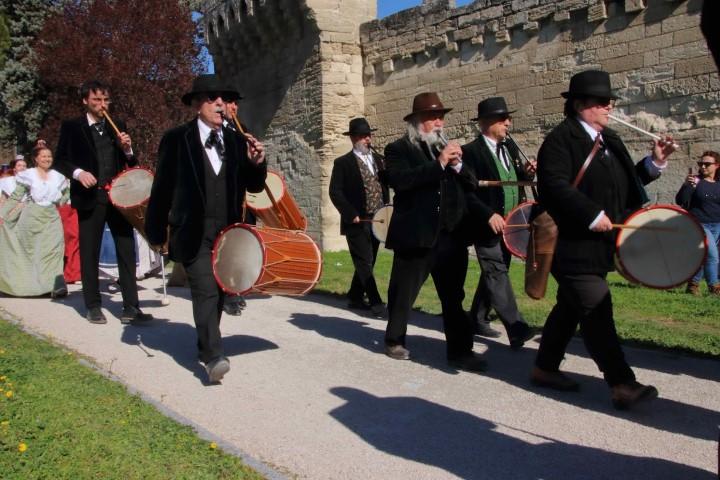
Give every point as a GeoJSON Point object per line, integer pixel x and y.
{"type": "Point", "coordinates": [627, 395]}
{"type": "Point", "coordinates": [554, 380]}
{"type": "Point", "coordinates": [397, 352]}
{"type": "Point", "coordinates": [693, 288]}
{"type": "Point", "coordinates": [714, 289]}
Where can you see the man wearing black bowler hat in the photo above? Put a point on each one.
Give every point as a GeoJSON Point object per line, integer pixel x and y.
{"type": "Point", "coordinates": [610, 188]}
{"type": "Point", "coordinates": [430, 203]}
{"type": "Point", "coordinates": [491, 158]}
{"type": "Point", "coordinates": [203, 172]}
{"type": "Point", "coordinates": [357, 190]}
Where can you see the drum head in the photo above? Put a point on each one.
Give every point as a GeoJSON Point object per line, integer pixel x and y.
{"type": "Point", "coordinates": [664, 255]}
{"type": "Point", "coordinates": [381, 222]}
{"type": "Point", "coordinates": [261, 200]}
{"type": "Point", "coordinates": [238, 257]}
{"type": "Point", "coordinates": [516, 238]}
{"type": "Point", "coordinates": [131, 188]}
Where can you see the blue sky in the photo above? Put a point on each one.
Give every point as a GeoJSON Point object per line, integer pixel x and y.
{"type": "Point", "coordinates": [387, 7]}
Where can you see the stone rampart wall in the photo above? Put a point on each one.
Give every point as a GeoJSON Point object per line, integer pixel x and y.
{"type": "Point", "coordinates": [526, 51]}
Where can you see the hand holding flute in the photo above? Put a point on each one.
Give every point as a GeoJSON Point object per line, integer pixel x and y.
{"type": "Point", "coordinates": [255, 149]}
{"type": "Point", "coordinates": [663, 146]}
{"type": "Point", "coordinates": [450, 153]}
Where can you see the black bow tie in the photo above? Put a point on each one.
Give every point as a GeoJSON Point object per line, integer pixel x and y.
{"type": "Point", "coordinates": [213, 140]}
{"type": "Point", "coordinates": [99, 127]}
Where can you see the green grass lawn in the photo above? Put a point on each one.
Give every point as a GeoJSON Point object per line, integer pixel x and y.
{"type": "Point", "coordinates": [666, 319]}
{"type": "Point", "coordinates": [62, 420]}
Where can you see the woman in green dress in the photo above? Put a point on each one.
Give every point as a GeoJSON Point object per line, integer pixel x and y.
{"type": "Point", "coordinates": [31, 238]}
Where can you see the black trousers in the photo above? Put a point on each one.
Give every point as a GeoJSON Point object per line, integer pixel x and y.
{"type": "Point", "coordinates": [584, 299]}
{"type": "Point", "coordinates": [207, 297]}
{"type": "Point", "coordinates": [91, 224]}
{"type": "Point", "coordinates": [447, 263]}
{"type": "Point", "coordinates": [363, 248]}
{"type": "Point", "coordinates": [494, 290]}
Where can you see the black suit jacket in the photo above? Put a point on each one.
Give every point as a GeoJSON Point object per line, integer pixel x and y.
{"type": "Point", "coordinates": [76, 149]}
{"type": "Point", "coordinates": [561, 155]}
{"type": "Point", "coordinates": [347, 191]}
{"type": "Point", "coordinates": [477, 157]}
{"type": "Point", "coordinates": [423, 192]}
{"type": "Point", "coordinates": [178, 193]}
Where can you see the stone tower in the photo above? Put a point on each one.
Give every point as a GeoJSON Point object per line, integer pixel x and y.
{"type": "Point", "coordinates": [299, 65]}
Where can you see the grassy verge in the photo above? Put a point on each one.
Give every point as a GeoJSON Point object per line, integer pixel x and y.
{"type": "Point", "coordinates": [665, 319]}
{"type": "Point", "coordinates": [62, 420]}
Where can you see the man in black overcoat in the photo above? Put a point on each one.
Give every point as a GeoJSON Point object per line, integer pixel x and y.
{"type": "Point", "coordinates": [429, 180]}
{"type": "Point", "coordinates": [611, 189]}
{"type": "Point", "coordinates": [358, 191]}
{"type": "Point", "coordinates": [91, 154]}
{"type": "Point", "coordinates": [203, 172]}
{"type": "Point", "coordinates": [490, 157]}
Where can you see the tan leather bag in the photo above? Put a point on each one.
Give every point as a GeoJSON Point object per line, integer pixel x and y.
{"type": "Point", "coordinates": [542, 241]}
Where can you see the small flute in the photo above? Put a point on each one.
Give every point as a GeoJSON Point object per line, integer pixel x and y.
{"type": "Point", "coordinates": [638, 129]}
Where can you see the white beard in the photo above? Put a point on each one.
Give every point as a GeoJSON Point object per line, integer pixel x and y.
{"type": "Point", "coordinates": [433, 140]}
{"type": "Point", "coordinates": [362, 148]}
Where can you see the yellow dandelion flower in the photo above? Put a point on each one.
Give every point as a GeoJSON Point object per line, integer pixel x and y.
{"type": "Point", "coordinates": [5, 423]}
{"type": "Point", "coordinates": [9, 394]}
{"type": "Point", "coordinates": [213, 445]}
{"type": "Point", "coordinates": [22, 447]}
{"type": "Point", "coordinates": [3, 378]}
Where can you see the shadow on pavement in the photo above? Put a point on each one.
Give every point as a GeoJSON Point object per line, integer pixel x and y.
{"type": "Point", "coordinates": [473, 448]}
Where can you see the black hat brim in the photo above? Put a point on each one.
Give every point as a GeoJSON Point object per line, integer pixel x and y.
{"type": "Point", "coordinates": [363, 132]}
{"type": "Point", "coordinates": [187, 98]}
{"type": "Point", "coordinates": [439, 110]}
{"type": "Point", "coordinates": [497, 113]}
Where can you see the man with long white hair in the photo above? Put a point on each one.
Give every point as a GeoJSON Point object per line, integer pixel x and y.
{"type": "Point", "coordinates": [429, 206]}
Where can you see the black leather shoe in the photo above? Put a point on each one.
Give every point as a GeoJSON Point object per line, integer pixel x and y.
{"type": "Point", "coordinates": [231, 307]}
{"type": "Point", "coordinates": [241, 301]}
{"type": "Point", "coordinates": [59, 293]}
{"type": "Point", "coordinates": [355, 305]}
{"type": "Point", "coordinates": [379, 310]}
{"type": "Point", "coordinates": [520, 333]}
{"type": "Point", "coordinates": [95, 315]}
{"type": "Point", "coordinates": [135, 316]}
{"type": "Point", "coordinates": [397, 352]}
{"type": "Point", "coordinates": [627, 395]}
{"type": "Point", "coordinates": [554, 380]}
{"type": "Point", "coordinates": [217, 368]}
{"type": "Point", "coordinates": [485, 330]}
{"type": "Point", "coordinates": [470, 363]}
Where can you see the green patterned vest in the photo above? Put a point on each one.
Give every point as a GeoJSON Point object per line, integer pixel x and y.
{"type": "Point", "coordinates": [510, 194]}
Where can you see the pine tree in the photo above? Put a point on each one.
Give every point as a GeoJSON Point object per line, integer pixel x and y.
{"type": "Point", "coordinates": [22, 100]}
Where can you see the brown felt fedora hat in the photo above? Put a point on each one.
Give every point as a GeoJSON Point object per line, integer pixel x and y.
{"type": "Point", "coordinates": [426, 102]}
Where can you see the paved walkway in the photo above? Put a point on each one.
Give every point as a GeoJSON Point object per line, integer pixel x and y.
{"type": "Point", "coordinates": [311, 396]}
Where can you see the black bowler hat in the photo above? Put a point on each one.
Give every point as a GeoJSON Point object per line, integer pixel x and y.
{"type": "Point", "coordinates": [210, 83]}
{"type": "Point", "coordinates": [492, 107]}
{"type": "Point", "coordinates": [590, 83]}
{"type": "Point", "coordinates": [358, 127]}
{"type": "Point", "coordinates": [426, 102]}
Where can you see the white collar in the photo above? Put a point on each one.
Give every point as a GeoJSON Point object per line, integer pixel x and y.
{"type": "Point", "coordinates": [590, 130]}
{"type": "Point", "coordinates": [491, 143]}
{"type": "Point", "coordinates": [90, 120]}
{"type": "Point", "coordinates": [205, 131]}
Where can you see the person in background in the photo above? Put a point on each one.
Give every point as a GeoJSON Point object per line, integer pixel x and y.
{"type": "Point", "coordinates": [31, 238]}
{"type": "Point", "coordinates": [357, 191]}
{"type": "Point", "coordinates": [700, 195]}
{"type": "Point", "coordinates": [7, 183]}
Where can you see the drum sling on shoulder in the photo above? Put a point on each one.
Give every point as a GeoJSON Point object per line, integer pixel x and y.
{"type": "Point", "coordinates": [542, 241]}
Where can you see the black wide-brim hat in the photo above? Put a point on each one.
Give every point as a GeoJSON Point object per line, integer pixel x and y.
{"type": "Point", "coordinates": [492, 107]}
{"type": "Point", "coordinates": [210, 83]}
{"type": "Point", "coordinates": [590, 83]}
{"type": "Point", "coordinates": [359, 126]}
{"type": "Point", "coordinates": [426, 102]}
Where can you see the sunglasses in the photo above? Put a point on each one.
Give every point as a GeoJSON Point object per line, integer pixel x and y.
{"type": "Point", "coordinates": [212, 96]}
{"type": "Point", "coordinates": [705, 164]}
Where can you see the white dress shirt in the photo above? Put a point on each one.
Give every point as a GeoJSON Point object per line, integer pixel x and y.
{"type": "Point", "coordinates": [212, 153]}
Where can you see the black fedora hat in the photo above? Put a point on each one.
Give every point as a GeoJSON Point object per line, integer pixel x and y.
{"type": "Point", "coordinates": [590, 83]}
{"type": "Point", "coordinates": [210, 83]}
{"type": "Point", "coordinates": [492, 107]}
{"type": "Point", "coordinates": [359, 126]}
{"type": "Point", "coordinates": [426, 102]}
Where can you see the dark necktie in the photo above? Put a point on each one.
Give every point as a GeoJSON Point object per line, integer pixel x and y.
{"type": "Point", "coordinates": [500, 152]}
{"type": "Point", "coordinates": [213, 140]}
{"type": "Point", "coordinates": [99, 127]}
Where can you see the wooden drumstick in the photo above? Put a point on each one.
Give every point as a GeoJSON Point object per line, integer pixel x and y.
{"type": "Point", "coordinates": [638, 129]}
{"type": "Point", "coordinates": [508, 183]}
{"type": "Point", "coordinates": [370, 220]}
{"type": "Point", "coordinates": [112, 124]}
{"type": "Point", "coordinates": [614, 225]}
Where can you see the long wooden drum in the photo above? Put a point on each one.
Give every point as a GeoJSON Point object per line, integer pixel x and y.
{"type": "Point", "coordinates": [275, 206]}
{"type": "Point", "coordinates": [661, 247]}
{"type": "Point", "coordinates": [267, 260]}
{"type": "Point", "coordinates": [129, 192]}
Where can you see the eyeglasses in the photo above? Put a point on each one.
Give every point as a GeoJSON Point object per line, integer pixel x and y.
{"type": "Point", "coordinates": [705, 164]}
{"type": "Point", "coordinates": [212, 96]}
{"type": "Point", "coordinates": [603, 102]}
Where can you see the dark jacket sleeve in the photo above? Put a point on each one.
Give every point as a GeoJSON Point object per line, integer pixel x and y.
{"type": "Point", "coordinates": [684, 195]}
{"type": "Point", "coordinates": [62, 161]}
{"type": "Point", "coordinates": [337, 192]}
{"type": "Point", "coordinates": [156, 217]}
